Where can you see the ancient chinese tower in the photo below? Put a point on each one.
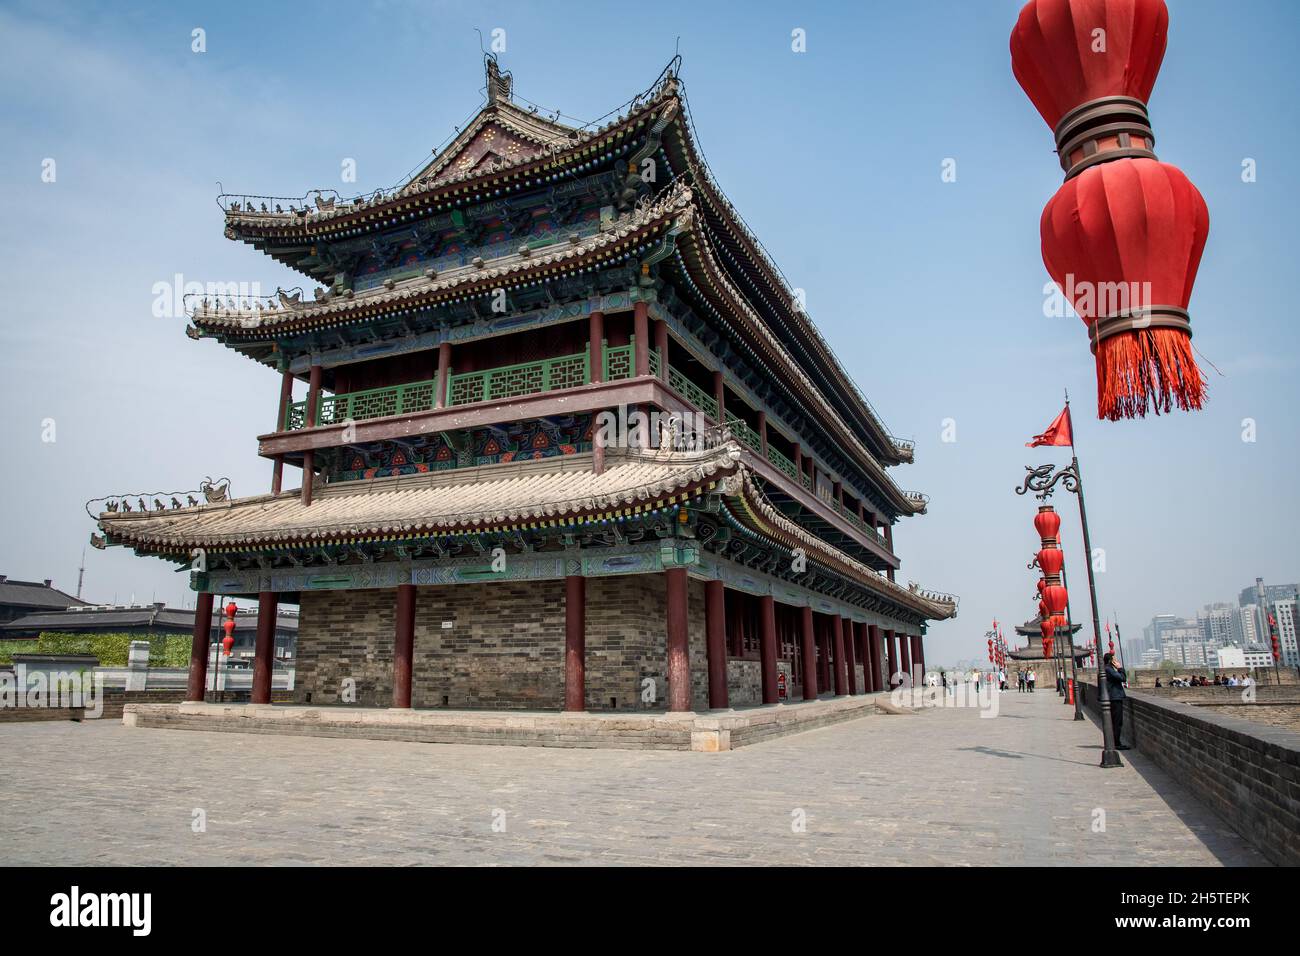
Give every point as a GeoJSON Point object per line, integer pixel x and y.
{"type": "Point", "coordinates": [483, 518]}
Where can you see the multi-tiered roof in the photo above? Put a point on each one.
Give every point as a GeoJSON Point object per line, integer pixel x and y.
{"type": "Point", "coordinates": [394, 271]}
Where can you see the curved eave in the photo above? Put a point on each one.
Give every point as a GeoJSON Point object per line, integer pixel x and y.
{"type": "Point", "coordinates": [513, 271]}
{"type": "Point", "coordinates": [146, 532]}
{"type": "Point", "coordinates": [757, 513]}
{"type": "Point", "coordinates": [711, 280]}
{"type": "Point", "coordinates": [719, 213]}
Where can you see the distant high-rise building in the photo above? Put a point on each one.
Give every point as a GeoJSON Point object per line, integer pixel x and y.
{"type": "Point", "coordinates": [1284, 614]}
{"type": "Point", "coordinates": [1218, 623]}
{"type": "Point", "coordinates": [1247, 630]}
{"type": "Point", "coordinates": [1264, 596]}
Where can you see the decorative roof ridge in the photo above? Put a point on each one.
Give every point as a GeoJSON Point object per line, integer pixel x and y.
{"type": "Point", "coordinates": [283, 308]}
{"type": "Point", "coordinates": [936, 605]}
{"type": "Point", "coordinates": [778, 347]}
{"type": "Point", "coordinates": [527, 125]}
{"type": "Point", "coordinates": [422, 182]}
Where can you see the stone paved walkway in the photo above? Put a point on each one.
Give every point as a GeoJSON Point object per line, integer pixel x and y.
{"type": "Point", "coordinates": [938, 787]}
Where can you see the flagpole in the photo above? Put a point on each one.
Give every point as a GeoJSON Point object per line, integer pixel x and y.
{"type": "Point", "coordinates": [1109, 755]}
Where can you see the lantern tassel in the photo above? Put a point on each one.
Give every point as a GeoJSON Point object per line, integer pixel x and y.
{"type": "Point", "coordinates": [1147, 370]}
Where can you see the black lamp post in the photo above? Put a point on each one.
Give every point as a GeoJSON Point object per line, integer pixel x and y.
{"type": "Point", "coordinates": [1042, 481]}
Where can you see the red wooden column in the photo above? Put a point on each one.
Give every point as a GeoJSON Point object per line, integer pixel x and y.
{"type": "Point", "coordinates": [309, 457]}
{"type": "Point", "coordinates": [641, 329]}
{"type": "Point", "coordinates": [917, 664]}
{"type": "Point", "coordinates": [877, 658]}
{"type": "Point", "coordinates": [575, 643]}
{"type": "Point", "coordinates": [837, 639]}
{"type": "Point", "coordinates": [720, 396]}
{"type": "Point", "coordinates": [905, 655]}
{"type": "Point", "coordinates": [809, 647]}
{"type": "Point", "coordinates": [596, 348]}
{"type": "Point", "coordinates": [286, 394]}
{"type": "Point", "coordinates": [199, 648]}
{"type": "Point", "coordinates": [798, 462]}
{"type": "Point", "coordinates": [403, 645]}
{"type": "Point", "coordinates": [850, 654]}
{"type": "Point", "coordinates": [444, 371]}
{"type": "Point", "coordinates": [864, 652]}
{"type": "Point", "coordinates": [264, 648]}
{"type": "Point", "coordinates": [828, 661]}
{"type": "Point", "coordinates": [715, 629]}
{"type": "Point", "coordinates": [762, 432]}
{"type": "Point", "coordinates": [679, 661]}
{"type": "Point", "coordinates": [767, 646]}
{"type": "Point", "coordinates": [920, 651]}
{"type": "Point", "coordinates": [891, 647]}
{"type": "Point", "coordinates": [661, 344]}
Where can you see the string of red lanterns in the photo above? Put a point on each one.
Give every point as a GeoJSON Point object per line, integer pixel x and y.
{"type": "Point", "coordinates": [1124, 226]}
{"type": "Point", "coordinates": [1054, 598]}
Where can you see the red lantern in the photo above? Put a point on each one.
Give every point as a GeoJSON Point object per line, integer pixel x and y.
{"type": "Point", "coordinates": [1056, 598]}
{"type": "Point", "coordinates": [1047, 628]}
{"type": "Point", "coordinates": [1089, 66]}
{"type": "Point", "coordinates": [1123, 241]}
{"type": "Point", "coordinates": [1041, 584]}
{"type": "Point", "coordinates": [231, 609]}
{"type": "Point", "coordinates": [227, 642]}
{"type": "Point", "coordinates": [1048, 643]}
{"type": "Point", "coordinates": [1047, 524]}
{"type": "Point", "coordinates": [1051, 560]}
{"type": "Point", "coordinates": [1042, 609]}
{"type": "Point", "coordinates": [1060, 622]}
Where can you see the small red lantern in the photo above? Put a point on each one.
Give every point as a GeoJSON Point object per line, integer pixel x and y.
{"type": "Point", "coordinates": [1047, 524]}
{"type": "Point", "coordinates": [1042, 609]}
{"type": "Point", "coordinates": [1041, 584]}
{"type": "Point", "coordinates": [227, 643]}
{"type": "Point", "coordinates": [1048, 644]}
{"type": "Point", "coordinates": [1051, 560]}
{"type": "Point", "coordinates": [231, 609]}
{"type": "Point", "coordinates": [1056, 597]}
{"type": "Point", "coordinates": [1047, 627]}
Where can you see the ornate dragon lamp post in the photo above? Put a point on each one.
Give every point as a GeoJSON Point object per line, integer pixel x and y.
{"type": "Point", "coordinates": [1042, 481]}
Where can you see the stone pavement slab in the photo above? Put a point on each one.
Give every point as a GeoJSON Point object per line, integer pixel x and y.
{"type": "Point", "coordinates": [941, 787]}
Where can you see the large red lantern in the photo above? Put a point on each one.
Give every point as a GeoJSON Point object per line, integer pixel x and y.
{"type": "Point", "coordinates": [1041, 584]}
{"type": "Point", "coordinates": [1089, 66]}
{"type": "Point", "coordinates": [1047, 524]}
{"type": "Point", "coordinates": [1056, 598]}
{"type": "Point", "coordinates": [1051, 560]}
{"type": "Point", "coordinates": [1046, 628]}
{"type": "Point", "coordinates": [1123, 241]}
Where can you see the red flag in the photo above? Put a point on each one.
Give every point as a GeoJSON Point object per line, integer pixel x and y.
{"type": "Point", "coordinates": [1060, 432]}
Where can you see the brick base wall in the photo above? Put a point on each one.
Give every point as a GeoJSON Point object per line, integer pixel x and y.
{"type": "Point", "coordinates": [497, 645]}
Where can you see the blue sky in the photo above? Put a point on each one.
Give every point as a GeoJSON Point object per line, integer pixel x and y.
{"type": "Point", "coordinates": [931, 292]}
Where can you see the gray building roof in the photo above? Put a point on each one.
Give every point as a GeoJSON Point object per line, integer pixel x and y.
{"type": "Point", "coordinates": [109, 618]}
{"type": "Point", "coordinates": [33, 594]}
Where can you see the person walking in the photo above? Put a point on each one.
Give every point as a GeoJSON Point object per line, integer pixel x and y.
{"type": "Point", "coordinates": [1115, 681]}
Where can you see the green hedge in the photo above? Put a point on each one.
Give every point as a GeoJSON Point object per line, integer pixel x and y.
{"type": "Point", "coordinates": [165, 650]}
